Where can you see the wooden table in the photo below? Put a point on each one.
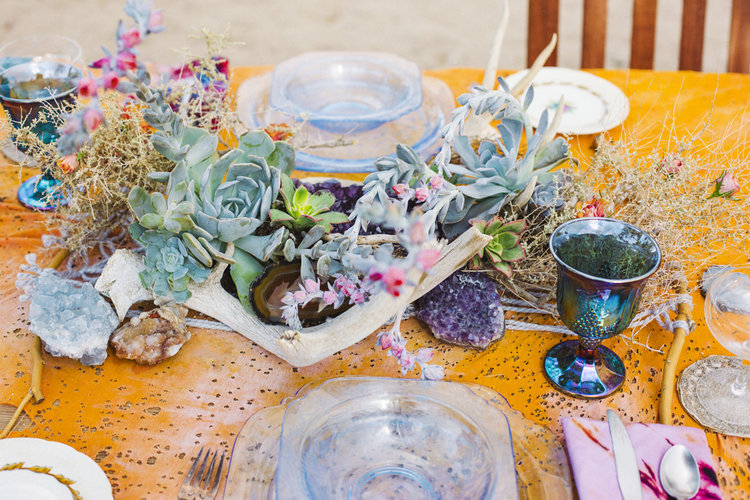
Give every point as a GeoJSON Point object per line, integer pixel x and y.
{"type": "Point", "coordinates": [143, 424]}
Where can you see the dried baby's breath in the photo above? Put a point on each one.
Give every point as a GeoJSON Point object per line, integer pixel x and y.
{"type": "Point", "coordinates": [118, 157]}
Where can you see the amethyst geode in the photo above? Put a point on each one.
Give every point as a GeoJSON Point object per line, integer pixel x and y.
{"type": "Point", "coordinates": [464, 309]}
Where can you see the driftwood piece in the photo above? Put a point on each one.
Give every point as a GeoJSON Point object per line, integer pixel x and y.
{"type": "Point", "coordinates": [120, 282]}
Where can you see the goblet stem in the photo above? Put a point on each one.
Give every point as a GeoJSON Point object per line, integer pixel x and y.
{"type": "Point", "coordinates": [587, 346]}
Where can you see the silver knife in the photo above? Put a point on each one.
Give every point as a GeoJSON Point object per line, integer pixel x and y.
{"type": "Point", "coordinates": [628, 476]}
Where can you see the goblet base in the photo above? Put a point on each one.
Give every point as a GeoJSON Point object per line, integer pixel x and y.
{"type": "Point", "coordinates": [581, 373]}
{"type": "Point", "coordinates": [35, 193]}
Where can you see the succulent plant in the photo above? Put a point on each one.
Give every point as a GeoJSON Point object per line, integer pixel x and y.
{"type": "Point", "coordinates": [169, 266]}
{"type": "Point", "coordinates": [407, 168]}
{"type": "Point", "coordinates": [304, 210]}
{"type": "Point", "coordinates": [231, 202]}
{"type": "Point", "coordinates": [498, 174]}
{"type": "Point", "coordinates": [504, 248]}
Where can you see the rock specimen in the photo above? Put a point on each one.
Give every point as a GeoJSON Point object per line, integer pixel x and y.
{"type": "Point", "coordinates": [153, 336]}
{"type": "Point", "coordinates": [71, 318]}
{"type": "Point", "coordinates": [464, 309]}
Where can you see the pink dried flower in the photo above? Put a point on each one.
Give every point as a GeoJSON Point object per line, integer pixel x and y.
{"type": "Point", "coordinates": [401, 190]}
{"type": "Point", "coordinates": [110, 80]}
{"type": "Point", "coordinates": [131, 38]}
{"type": "Point", "coordinates": [300, 296]}
{"type": "Point", "coordinates": [375, 275]}
{"type": "Point", "coordinates": [432, 372]}
{"type": "Point", "coordinates": [417, 233]}
{"type": "Point", "coordinates": [358, 297]}
{"type": "Point", "coordinates": [126, 61]}
{"type": "Point", "coordinates": [437, 182]}
{"type": "Point", "coordinates": [155, 20]}
{"type": "Point", "coordinates": [92, 117]}
{"type": "Point", "coordinates": [407, 361]}
{"type": "Point", "coordinates": [421, 194]}
{"type": "Point", "coordinates": [427, 258]}
{"type": "Point", "coordinates": [671, 164]}
{"type": "Point", "coordinates": [312, 286]}
{"type": "Point", "coordinates": [394, 278]}
{"type": "Point", "coordinates": [424, 355]}
{"type": "Point", "coordinates": [385, 340]}
{"type": "Point", "coordinates": [398, 347]}
{"type": "Point", "coordinates": [87, 87]}
{"type": "Point", "coordinates": [594, 208]}
{"type": "Point", "coordinates": [68, 164]}
{"type": "Point", "coordinates": [101, 63]}
{"type": "Point", "coordinates": [725, 186]}
{"type": "Point", "coordinates": [329, 297]}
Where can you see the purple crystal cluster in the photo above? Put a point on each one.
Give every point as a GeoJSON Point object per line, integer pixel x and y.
{"type": "Point", "coordinates": [464, 309]}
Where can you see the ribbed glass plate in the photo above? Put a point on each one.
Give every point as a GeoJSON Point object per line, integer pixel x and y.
{"type": "Point", "coordinates": [541, 466]}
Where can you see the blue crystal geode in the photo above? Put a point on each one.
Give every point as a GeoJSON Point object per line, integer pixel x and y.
{"type": "Point", "coordinates": [464, 309]}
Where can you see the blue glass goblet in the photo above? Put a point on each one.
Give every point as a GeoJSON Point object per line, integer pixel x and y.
{"type": "Point", "coordinates": [28, 91]}
{"type": "Point", "coordinates": [602, 265]}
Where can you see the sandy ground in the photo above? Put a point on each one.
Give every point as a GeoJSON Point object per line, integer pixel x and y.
{"type": "Point", "coordinates": [434, 33]}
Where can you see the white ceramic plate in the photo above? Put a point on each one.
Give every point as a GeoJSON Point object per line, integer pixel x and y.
{"type": "Point", "coordinates": [31, 480]}
{"type": "Point", "coordinates": [592, 104]}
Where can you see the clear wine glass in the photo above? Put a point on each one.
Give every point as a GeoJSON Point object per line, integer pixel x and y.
{"type": "Point", "coordinates": [724, 393]}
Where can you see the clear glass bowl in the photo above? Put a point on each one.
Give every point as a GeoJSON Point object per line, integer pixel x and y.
{"type": "Point", "coordinates": [362, 438]}
{"type": "Point", "coordinates": [319, 150]}
{"type": "Point", "coordinates": [346, 92]}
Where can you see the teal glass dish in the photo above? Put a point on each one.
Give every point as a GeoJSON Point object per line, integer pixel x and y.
{"type": "Point", "coordinates": [602, 266]}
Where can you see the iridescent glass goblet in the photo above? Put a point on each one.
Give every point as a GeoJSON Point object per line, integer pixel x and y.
{"type": "Point", "coordinates": [33, 95]}
{"type": "Point", "coordinates": [602, 265]}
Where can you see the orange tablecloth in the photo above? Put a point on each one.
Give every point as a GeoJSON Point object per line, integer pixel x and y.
{"type": "Point", "coordinates": [142, 425]}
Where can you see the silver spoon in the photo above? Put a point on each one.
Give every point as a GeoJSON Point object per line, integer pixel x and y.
{"type": "Point", "coordinates": [678, 473]}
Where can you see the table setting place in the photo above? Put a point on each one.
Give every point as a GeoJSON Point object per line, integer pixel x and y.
{"type": "Point", "coordinates": [345, 277]}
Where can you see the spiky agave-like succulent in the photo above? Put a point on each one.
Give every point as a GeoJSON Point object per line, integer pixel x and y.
{"type": "Point", "coordinates": [498, 173]}
{"type": "Point", "coordinates": [304, 210]}
{"type": "Point", "coordinates": [504, 248]}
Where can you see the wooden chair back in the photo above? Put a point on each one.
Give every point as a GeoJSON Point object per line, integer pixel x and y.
{"type": "Point", "coordinates": [544, 15]}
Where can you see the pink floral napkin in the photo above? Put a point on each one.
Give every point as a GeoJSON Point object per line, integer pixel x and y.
{"type": "Point", "coordinates": [593, 463]}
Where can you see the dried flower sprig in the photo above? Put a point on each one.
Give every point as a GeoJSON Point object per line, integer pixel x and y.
{"type": "Point", "coordinates": [115, 69]}
{"type": "Point", "coordinates": [392, 341]}
{"type": "Point", "coordinates": [342, 289]}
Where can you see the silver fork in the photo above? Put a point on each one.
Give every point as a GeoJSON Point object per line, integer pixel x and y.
{"type": "Point", "coordinates": [202, 484]}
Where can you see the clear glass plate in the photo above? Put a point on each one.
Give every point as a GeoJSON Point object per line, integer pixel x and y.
{"type": "Point", "coordinates": [350, 151]}
{"type": "Point", "coordinates": [540, 461]}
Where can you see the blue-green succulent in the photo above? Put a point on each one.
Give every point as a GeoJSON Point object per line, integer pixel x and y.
{"type": "Point", "coordinates": [169, 266]}
{"type": "Point", "coordinates": [211, 202]}
{"type": "Point", "coordinates": [501, 171]}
